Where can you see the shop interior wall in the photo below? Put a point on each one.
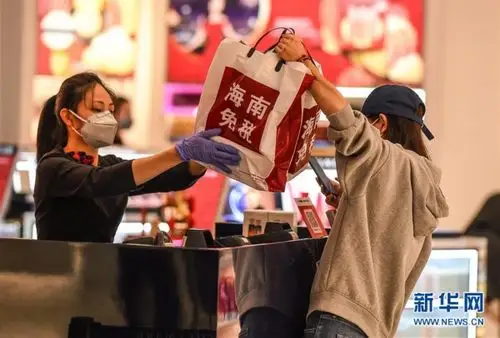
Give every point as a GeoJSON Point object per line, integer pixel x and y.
{"type": "Point", "coordinates": [17, 47]}
{"type": "Point", "coordinates": [463, 86]}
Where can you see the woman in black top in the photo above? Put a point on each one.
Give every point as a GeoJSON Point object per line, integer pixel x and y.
{"type": "Point", "coordinates": [81, 196]}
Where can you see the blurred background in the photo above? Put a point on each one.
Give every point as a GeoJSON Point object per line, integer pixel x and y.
{"type": "Point", "coordinates": [155, 54]}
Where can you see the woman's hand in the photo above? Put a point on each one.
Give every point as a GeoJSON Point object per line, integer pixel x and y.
{"type": "Point", "coordinates": [291, 48]}
{"type": "Point", "coordinates": [332, 199]}
{"type": "Point", "coordinates": [200, 147]}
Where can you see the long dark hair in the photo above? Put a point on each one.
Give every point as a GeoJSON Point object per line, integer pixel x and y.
{"type": "Point", "coordinates": [51, 131]}
{"type": "Point", "coordinates": [406, 132]}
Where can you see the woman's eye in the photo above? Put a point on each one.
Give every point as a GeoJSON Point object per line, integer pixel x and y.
{"type": "Point", "coordinates": [97, 110]}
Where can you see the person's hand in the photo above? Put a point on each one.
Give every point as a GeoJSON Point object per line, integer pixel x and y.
{"type": "Point", "coordinates": [291, 48]}
{"type": "Point", "coordinates": [201, 148]}
{"type": "Point", "coordinates": [332, 199]}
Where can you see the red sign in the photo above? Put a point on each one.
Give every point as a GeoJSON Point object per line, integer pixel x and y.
{"type": "Point", "coordinates": [359, 43]}
{"type": "Point", "coordinates": [207, 195]}
{"type": "Point", "coordinates": [310, 217]}
{"type": "Point", "coordinates": [241, 109]}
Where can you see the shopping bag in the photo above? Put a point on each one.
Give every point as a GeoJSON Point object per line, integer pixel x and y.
{"type": "Point", "coordinates": [257, 100]}
{"type": "Point", "coordinates": [305, 140]}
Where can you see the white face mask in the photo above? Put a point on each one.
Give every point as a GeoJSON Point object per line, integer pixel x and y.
{"type": "Point", "coordinates": [374, 123]}
{"type": "Point", "coordinates": [99, 130]}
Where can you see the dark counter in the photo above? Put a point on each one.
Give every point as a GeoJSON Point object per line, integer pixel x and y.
{"type": "Point", "coordinates": [162, 292]}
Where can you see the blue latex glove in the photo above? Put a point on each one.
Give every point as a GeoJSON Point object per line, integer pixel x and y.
{"type": "Point", "coordinates": [201, 148]}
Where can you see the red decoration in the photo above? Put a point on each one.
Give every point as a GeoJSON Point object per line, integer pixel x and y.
{"type": "Point", "coordinates": [317, 22]}
{"type": "Point", "coordinates": [81, 157]}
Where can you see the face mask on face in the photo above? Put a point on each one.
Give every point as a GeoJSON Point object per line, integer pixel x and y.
{"type": "Point", "coordinates": [374, 123]}
{"type": "Point", "coordinates": [99, 130]}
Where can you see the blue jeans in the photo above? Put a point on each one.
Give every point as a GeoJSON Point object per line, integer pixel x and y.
{"type": "Point", "coordinates": [267, 322]}
{"type": "Point", "coordinates": [326, 325]}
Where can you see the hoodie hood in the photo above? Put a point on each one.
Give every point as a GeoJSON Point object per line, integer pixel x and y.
{"type": "Point", "coordinates": [429, 201]}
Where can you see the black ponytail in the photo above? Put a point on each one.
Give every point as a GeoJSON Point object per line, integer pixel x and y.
{"type": "Point", "coordinates": [48, 126]}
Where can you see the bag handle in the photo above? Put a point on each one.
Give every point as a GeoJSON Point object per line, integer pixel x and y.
{"type": "Point", "coordinates": [285, 31]}
{"type": "Point", "coordinates": [282, 62]}
{"type": "Point", "coordinates": [309, 54]}
{"type": "Point", "coordinates": [254, 48]}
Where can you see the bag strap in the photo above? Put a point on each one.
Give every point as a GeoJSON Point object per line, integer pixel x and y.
{"type": "Point", "coordinates": [254, 48]}
{"type": "Point", "coordinates": [279, 39]}
{"type": "Point", "coordinates": [285, 30]}
{"type": "Point", "coordinates": [309, 56]}
{"type": "Point", "coordinates": [282, 62]}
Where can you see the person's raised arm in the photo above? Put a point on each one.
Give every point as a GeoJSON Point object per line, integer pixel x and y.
{"type": "Point", "coordinates": [329, 99]}
{"type": "Point", "coordinates": [352, 133]}
{"type": "Point", "coordinates": [349, 129]}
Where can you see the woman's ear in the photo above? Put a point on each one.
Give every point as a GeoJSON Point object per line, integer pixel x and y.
{"type": "Point", "coordinates": [383, 123]}
{"type": "Point", "coordinates": [68, 119]}
{"type": "Point", "coordinates": [65, 117]}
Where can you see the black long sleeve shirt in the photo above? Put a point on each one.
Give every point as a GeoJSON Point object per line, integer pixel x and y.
{"type": "Point", "coordinates": [83, 203]}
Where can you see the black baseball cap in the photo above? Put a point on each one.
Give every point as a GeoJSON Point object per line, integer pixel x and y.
{"type": "Point", "coordinates": [398, 101]}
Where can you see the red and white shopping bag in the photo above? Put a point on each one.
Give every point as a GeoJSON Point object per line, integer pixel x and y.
{"type": "Point", "coordinates": [305, 140]}
{"type": "Point", "coordinates": [258, 102]}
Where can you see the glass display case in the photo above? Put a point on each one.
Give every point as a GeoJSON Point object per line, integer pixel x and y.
{"type": "Point", "coordinates": [456, 267]}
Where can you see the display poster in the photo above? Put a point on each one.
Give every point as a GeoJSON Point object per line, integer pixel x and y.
{"type": "Point", "coordinates": [79, 35]}
{"type": "Point", "coordinates": [359, 43]}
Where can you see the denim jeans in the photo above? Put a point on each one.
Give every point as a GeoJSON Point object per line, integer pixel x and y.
{"type": "Point", "coordinates": [265, 322]}
{"type": "Point", "coordinates": [326, 325]}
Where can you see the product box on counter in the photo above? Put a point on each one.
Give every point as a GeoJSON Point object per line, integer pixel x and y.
{"type": "Point", "coordinates": [255, 221]}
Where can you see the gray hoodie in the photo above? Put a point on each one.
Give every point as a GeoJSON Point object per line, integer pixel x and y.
{"type": "Point", "coordinates": [381, 238]}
